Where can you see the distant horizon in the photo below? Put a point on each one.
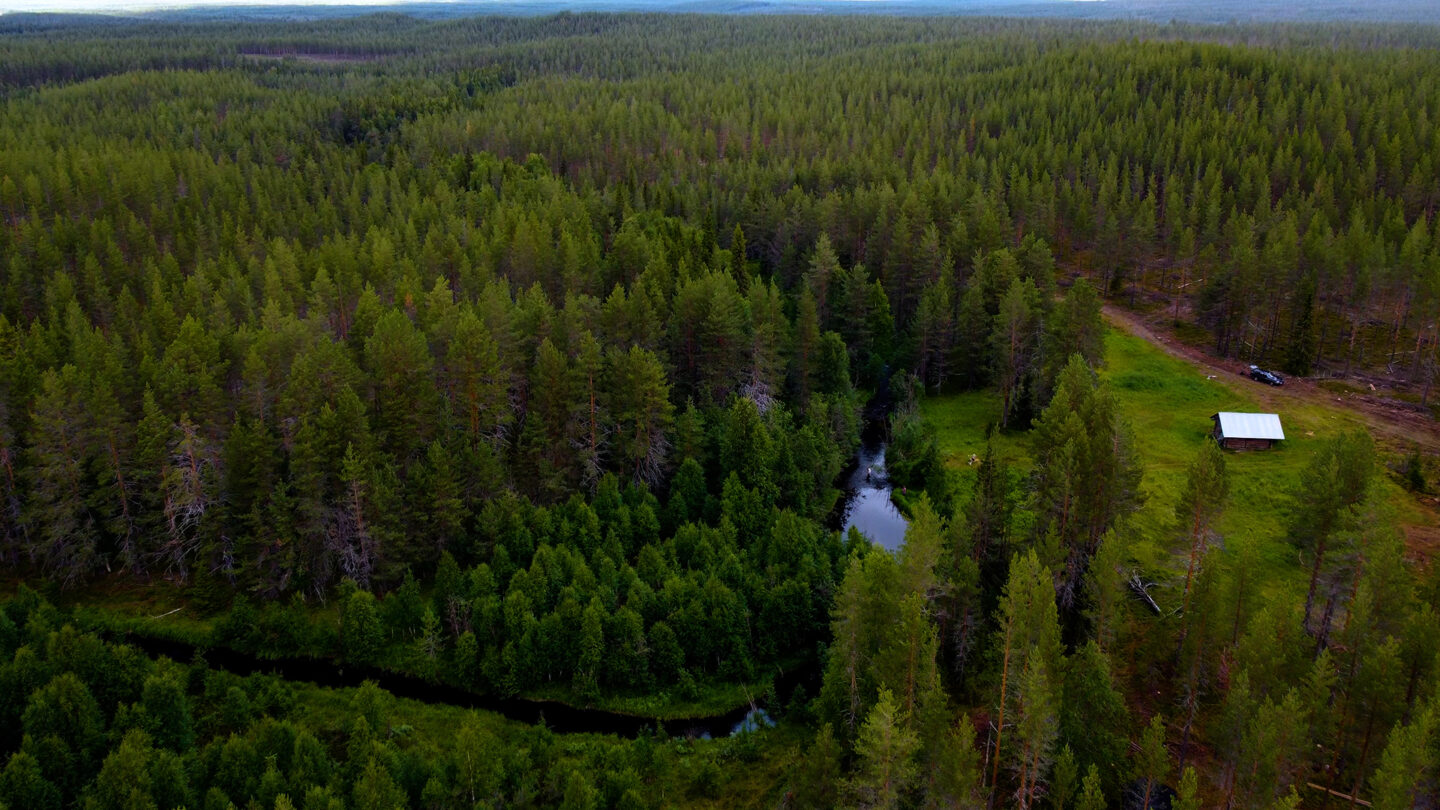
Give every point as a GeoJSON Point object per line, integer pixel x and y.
{"type": "Point", "coordinates": [1159, 11]}
{"type": "Point", "coordinates": [148, 6]}
{"type": "Point", "coordinates": [143, 6]}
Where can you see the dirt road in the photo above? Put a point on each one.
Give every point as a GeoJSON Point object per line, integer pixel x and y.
{"type": "Point", "coordinates": [1398, 426]}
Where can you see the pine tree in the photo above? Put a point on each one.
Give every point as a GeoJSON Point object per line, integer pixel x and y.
{"type": "Point", "coordinates": [1301, 350]}
{"type": "Point", "coordinates": [66, 540]}
{"type": "Point", "coordinates": [1201, 501]}
{"type": "Point", "coordinates": [1088, 475]}
{"type": "Point", "coordinates": [1029, 629]}
{"type": "Point", "coordinates": [1105, 590]}
{"type": "Point", "coordinates": [824, 271]}
{"type": "Point", "coordinates": [477, 383]}
{"type": "Point", "coordinates": [846, 671]}
{"type": "Point", "coordinates": [1188, 795]}
{"type": "Point", "coordinates": [805, 347]}
{"type": "Point", "coordinates": [591, 651]}
{"type": "Point", "coordinates": [934, 332]}
{"type": "Point", "coordinates": [1091, 797]}
{"type": "Point", "coordinates": [187, 484]}
{"type": "Point", "coordinates": [641, 399]}
{"type": "Point", "coordinates": [765, 337]}
{"type": "Point", "coordinates": [1014, 345]}
{"type": "Point", "coordinates": [1074, 327]}
{"type": "Point", "coordinates": [405, 400]}
{"type": "Point", "coordinates": [1064, 778]}
{"type": "Point", "coordinates": [955, 769]}
{"type": "Point", "coordinates": [972, 333]}
{"type": "Point", "coordinates": [115, 499]}
{"type": "Point", "coordinates": [988, 514]}
{"type": "Point", "coordinates": [1408, 763]}
{"type": "Point", "coordinates": [1337, 478]}
{"type": "Point", "coordinates": [351, 542]}
{"type": "Point", "coordinates": [907, 665]}
{"type": "Point", "coordinates": [1153, 764]}
{"type": "Point", "coordinates": [1037, 728]}
{"type": "Point", "coordinates": [590, 428]}
{"type": "Point", "coordinates": [815, 781]}
{"type": "Point", "coordinates": [1093, 719]}
{"type": "Point", "coordinates": [885, 751]}
{"type": "Point", "coordinates": [360, 630]}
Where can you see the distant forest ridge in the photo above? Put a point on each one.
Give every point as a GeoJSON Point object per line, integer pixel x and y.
{"type": "Point", "coordinates": [1160, 11]}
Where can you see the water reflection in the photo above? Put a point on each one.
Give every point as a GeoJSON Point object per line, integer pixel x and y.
{"type": "Point", "coordinates": [754, 720]}
{"type": "Point", "coordinates": [867, 500]}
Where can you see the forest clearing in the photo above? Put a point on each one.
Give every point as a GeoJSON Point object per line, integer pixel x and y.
{"type": "Point", "coordinates": [1168, 393]}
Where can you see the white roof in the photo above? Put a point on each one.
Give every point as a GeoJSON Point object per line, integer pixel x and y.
{"type": "Point", "coordinates": [1249, 425]}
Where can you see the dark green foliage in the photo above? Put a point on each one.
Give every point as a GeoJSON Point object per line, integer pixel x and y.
{"type": "Point", "coordinates": [815, 782]}
{"type": "Point", "coordinates": [167, 712]}
{"type": "Point", "coordinates": [22, 784]}
{"type": "Point", "coordinates": [1088, 476]}
{"type": "Point", "coordinates": [1093, 718]}
{"type": "Point", "coordinates": [913, 457]}
{"type": "Point", "coordinates": [430, 328]}
{"type": "Point", "coordinates": [1300, 356]}
{"type": "Point", "coordinates": [1337, 479]}
{"type": "Point", "coordinates": [1414, 472]}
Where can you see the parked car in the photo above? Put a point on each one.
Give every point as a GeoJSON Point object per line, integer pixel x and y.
{"type": "Point", "coordinates": [1261, 375]}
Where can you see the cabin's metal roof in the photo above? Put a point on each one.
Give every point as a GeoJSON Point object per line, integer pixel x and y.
{"type": "Point", "coordinates": [1249, 425]}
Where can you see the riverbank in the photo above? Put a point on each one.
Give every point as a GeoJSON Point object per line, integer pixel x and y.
{"type": "Point", "coordinates": [554, 715]}
{"type": "Point", "coordinates": [277, 735]}
{"type": "Point", "coordinates": [156, 617]}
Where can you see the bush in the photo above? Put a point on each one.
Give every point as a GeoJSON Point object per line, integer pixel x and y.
{"type": "Point", "coordinates": [1413, 472]}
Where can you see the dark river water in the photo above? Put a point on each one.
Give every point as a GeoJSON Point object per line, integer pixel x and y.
{"type": "Point", "coordinates": [559, 717]}
{"type": "Point", "coordinates": [867, 504]}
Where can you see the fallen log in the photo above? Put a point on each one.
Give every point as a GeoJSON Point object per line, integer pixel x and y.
{"type": "Point", "coordinates": [1337, 794]}
{"type": "Point", "coordinates": [1141, 589]}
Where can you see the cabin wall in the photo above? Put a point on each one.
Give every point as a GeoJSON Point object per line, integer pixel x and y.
{"type": "Point", "coordinates": [1247, 444]}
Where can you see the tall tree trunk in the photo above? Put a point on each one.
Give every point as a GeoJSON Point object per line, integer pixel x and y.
{"type": "Point", "coordinates": [1000, 723]}
{"type": "Point", "coordinates": [1364, 754]}
{"type": "Point", "coordinates": [1402, 314]}
{"type": "Point", "coordinates": [1354, 330]}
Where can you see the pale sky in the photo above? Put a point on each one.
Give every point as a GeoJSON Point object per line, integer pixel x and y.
{"type": "Point", "coordinates": [150, 5]}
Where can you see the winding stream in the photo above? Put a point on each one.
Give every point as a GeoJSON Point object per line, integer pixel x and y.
{"type": "Point", "coordinates": [558, 717]}
{"type": "Point", "coordinates": [867, 505]}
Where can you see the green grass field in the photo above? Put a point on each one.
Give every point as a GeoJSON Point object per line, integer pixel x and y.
{"type": "Point", "coordinates": [1168, 403]}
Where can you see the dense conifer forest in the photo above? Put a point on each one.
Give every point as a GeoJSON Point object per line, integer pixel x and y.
{"type": "Point", "coordinates": [525, 356]}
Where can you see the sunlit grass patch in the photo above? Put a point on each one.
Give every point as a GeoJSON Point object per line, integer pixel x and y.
{"type": "Point", "coordinates": [1168, 403]}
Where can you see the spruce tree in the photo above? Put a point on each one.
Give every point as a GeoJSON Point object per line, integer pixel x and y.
{"type": "Point", "coordinates": [885, 750]}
